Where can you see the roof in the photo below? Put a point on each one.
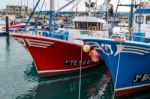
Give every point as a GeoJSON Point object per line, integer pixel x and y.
{"type": "Point", "coordinates": [88, 19]}
{"type": "Point", "coordinates": [143, 11]}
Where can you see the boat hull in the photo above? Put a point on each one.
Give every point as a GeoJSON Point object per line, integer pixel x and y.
{"type": "Point", "coordinates": [128, 63]}
{"type": "Point", "coordinates": [15, 27]}
{"type": "Point", "coordinates": [19, 26]}
{"type": "Point", "coordinates": [53, 56]}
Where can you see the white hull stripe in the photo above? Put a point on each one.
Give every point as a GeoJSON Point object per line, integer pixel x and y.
{"type": "Point", "coordinates": [39, 46]}
{"type": "Point", "coordinates": [39, 43]}
{"type": "Point", "coordinates": [136, 47]}
{"type": "Point", "coordinates": [63, 70]}
{"type": "Point", "coordinates": [36, 43]}
{"type": "Point", "coordinates": [131, 49]}
{"type": "Point", "coordinates": [132, 52]}
{"type": "Point", "coordinates": [137, 50]}
{"type": "Point", "coordinates": [127, 88]}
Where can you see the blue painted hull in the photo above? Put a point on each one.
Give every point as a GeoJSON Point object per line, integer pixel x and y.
{"type": "Point", "coordinates": [128, 63]}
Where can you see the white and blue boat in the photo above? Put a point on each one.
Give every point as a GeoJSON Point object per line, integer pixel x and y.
{"type": "Point", "coordinates": [127, 61]}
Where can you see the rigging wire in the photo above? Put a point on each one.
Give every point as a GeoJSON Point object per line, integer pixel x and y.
{"type": "Point", "coordinates": [76, 5]}
{"type": "Point", "coordinates": [66, 5]}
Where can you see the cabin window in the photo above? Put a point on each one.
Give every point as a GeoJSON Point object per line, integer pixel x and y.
{"type": "Point", "coordinates": [139, 21]}
{"type": "Point", "coordinates": [147, 19]}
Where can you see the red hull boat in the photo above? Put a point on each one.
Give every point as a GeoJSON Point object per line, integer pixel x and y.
{"type": "Point", "coordinates": [16, 27]}
{"type": "Point", "coordinates": [53, 56]}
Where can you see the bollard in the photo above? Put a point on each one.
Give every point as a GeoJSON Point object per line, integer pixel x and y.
{"type": "Point", "coordinates": [7, 26]}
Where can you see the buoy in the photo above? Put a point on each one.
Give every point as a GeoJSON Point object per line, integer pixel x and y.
{"type": "Point", "coordinates": [95, 57]}
{"type": "Point", "coordinates": [86, 48]}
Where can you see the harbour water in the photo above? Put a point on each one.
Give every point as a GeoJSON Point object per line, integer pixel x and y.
{"type": "Point", "coordinates": [19, 79]}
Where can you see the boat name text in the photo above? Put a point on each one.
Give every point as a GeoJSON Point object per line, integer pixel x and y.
{"type": "Point", "coordinates": [141, 78]}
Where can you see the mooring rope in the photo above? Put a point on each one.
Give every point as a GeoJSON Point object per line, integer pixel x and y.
{"type": "Point", "coordinates": [80, 74]}
{"type": "Point", "coordinates": [116, 79]}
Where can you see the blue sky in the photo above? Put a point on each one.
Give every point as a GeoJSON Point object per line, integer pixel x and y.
{"type": "Point", "coordinates": [3, 4]}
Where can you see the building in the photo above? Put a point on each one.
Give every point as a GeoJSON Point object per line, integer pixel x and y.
{"type": "Point", "coordinates": [17, 10]}
{"type": "Point", "coordinates": [3, 11]}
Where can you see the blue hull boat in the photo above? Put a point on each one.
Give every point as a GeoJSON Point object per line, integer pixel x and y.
{"type": "Point", "coordinates": [128, 63]}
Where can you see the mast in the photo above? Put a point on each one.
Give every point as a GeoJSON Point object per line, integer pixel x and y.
{"type": "Point", "coordinates": [77, 6]}
{"type": "Point", "coordinates": [139, 19]}
{"type": "Point", "coordinates": [21, 2]}
{"type": "Point", "coordinates": [107, 10]}
{"type": "Point", "coordinates": [131, 19]}
{"type": "Point", "coordinates": [89, 8]}
{"type": "Point", "coordinates": [27, 3]}
{"type": "Point", "coordinates": [33, 4]}
{"type": "Point", "coordinates": [52, 10]}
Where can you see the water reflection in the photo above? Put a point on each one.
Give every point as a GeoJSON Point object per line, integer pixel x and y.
{"type": "Point", "coordinates": [63, 86]}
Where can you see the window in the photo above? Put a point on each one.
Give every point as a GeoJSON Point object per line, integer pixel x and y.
{"type": "Point", "coordinates": [139, 21]}
{"type": "Point", "coordinates": [147, 19]}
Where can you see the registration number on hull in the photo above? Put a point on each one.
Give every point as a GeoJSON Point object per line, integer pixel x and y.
{"type": "Point", "coordinates": [141, 78]}
{"type": "Point", "coordinates": [77, 62]}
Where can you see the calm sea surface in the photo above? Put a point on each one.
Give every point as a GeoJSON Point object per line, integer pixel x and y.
{"type": "Point", "coordinates": [19, 79]}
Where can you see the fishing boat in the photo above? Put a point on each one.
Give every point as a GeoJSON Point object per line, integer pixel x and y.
{"type": "Point", "coordinates": [20, 26]}
{"type": "Point", "coordinates": [128, 61]}
{"type": "Point", "coordinates": [15, 25]}
{"type": "Point", "coordinates": [55, 52]}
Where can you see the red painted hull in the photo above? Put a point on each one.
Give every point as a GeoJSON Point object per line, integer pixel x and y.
{"type": "Point", "coordinates": [17, 26]}
{"type": "Point", "coordinates": [131, 90]}
{"type": "Point", "coordinates": [53, 56]}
